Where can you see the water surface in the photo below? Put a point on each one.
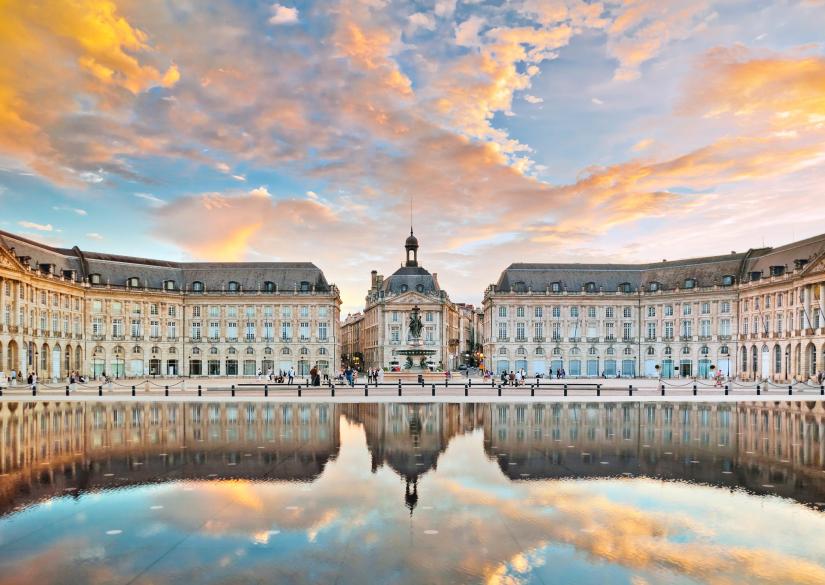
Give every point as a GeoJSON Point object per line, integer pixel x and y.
{"type": "Point", "coordinates": [221, 493]}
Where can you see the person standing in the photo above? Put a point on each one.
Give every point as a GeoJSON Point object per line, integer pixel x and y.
{"type": "Point", "coordinates": [291, 375]}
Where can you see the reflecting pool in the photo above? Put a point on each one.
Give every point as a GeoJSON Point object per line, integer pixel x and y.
{"type": "Point", "coordinates": [220, 493]}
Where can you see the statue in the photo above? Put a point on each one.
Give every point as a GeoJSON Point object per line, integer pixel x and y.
{"type": "Point", "coordinates": [415, 323]}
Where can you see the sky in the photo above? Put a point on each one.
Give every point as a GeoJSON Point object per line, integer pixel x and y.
{"type": "Point", "coordinates": [523, 131]}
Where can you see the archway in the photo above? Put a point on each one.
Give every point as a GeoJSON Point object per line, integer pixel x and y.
{"type": "Point", "coordinates": [44, 367]}
{"type": "Point", "coordinates": [810, 361]}
{"type": "Point", "coordinates": [12, 361]}
{"type": "Point", "coordinates": [56, 361]}
{"type": "Point", "coordinates": [766, 363]}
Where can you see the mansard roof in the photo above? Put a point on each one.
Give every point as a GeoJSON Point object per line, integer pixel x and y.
{"type": "Point", "coordinates": [410, 278]}
{"type": "Point", "coordinates": [116, 269]}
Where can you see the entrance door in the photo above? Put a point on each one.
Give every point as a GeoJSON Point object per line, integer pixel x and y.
{"type": "Point", "coordinates": [593, 368]}
{"type": "Point", "coordinates": [610, 368]}
{"type": "Point", "coordinates": [766, 363]}
{"type": "Point", "coordinates": [555, 366]}
{"type": "Point", "coordinates": [98, 366]}
{"type": "Point", "coordinates": [686, 368]}
{"type": "Point", "coordinates": [56, 363]}
{"type": "Point", "coordinates": [521, 365]}
{"type": "Point", "coordinates": [575, 368]}
{"type": "Point", "coordinates": [667, 368]}
{"type": "Point", "coordinates": [629, 368]}
{"type": "Point", "coordinates": [135, 368]}
{"type": "Point", "coordinates": [650, 369]}
{"type": "Point", "coordinates": [724, 366]}
{"type": "Point", "coordinates": [539, 367]}
{"type": "Point", "coordinates": [704, 368]}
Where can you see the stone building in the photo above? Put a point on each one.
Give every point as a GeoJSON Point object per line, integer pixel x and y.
{"type": "Point", "coordinates": [384, 328]}
{"type": "Point", "coordinates": [684, 318]}
{"type": "Point", "coordinates": [67, 309]}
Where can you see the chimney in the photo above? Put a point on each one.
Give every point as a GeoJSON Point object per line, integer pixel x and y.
{"type": "Point", "coordinates": [373, 279]}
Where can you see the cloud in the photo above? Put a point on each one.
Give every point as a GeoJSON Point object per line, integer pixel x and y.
{"type": "Point", "coordinates": [36, 226]}
{"type": "Point", "coordinates": [532, 99]}
{"type": "Point", "coordinates": [466, 33]}
{"type": "Point", "coordinates": [643, 144]}
{"type": "Point", "coordinates": [421, 20]}
{"type": "Point", "coordinates": [597, 101]}
{"type": "Point", "coordinates": [94, 236]}
{"type": "Point", "coordinates": [75, 210]}
{"type": "Point", "coordinates": [283, 15]}
{"type": "Point", "coordinates": [260, 192]}
{"type": "Point", "coordinates": [153, 201]}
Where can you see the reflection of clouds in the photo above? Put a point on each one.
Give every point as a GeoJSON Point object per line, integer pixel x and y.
{"type": "Point", "coordinates": [473, 524]}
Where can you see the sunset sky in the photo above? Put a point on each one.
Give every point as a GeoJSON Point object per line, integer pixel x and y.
{"type": "Point", "coordinates": [533, 130]}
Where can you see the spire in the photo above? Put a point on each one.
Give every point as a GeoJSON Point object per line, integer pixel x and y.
{"type": "Point", "coordinates": [411, 246]}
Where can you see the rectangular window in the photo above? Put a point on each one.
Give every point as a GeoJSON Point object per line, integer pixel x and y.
{"type": "Point", "coordinates": [304, 331]}
{"type": "Point", "coordinates": [250, 330]}
{"type": "Point", "coordinates": [502, 311]}
{"type": "Point", "coordinates": [651, 330]}
{"type": "Point", "coordinates": [232, 330]}
{"type": "Point", "coordinates": [724, 327]}
{"type": "Point", "coordinates": [779, 324]}
{"type": "Point", "coordinates": [687, 309]}
{"type": "Point", "coordinates": [172, 329]}
{"type": "Point", "coordinates": [502, 331]}
{"type": "Point", "coordinates": [538, 330]}
{"type": "Point", "coordinates": [724, 307]}
{"type": "Point", "coordinates": [627, 312]}
{"type": "Point", "coordinates": [135, 327]}
{"type": "Point", "coordinates": [196, 311]}
{"type": "Point", "coordinates": [706, 308]}
{"type": "Point", "coordinates": [250, 312]}
{"type": "Point", "coordinates": [668, 310]}
{"type": "Point", "coordinates": [520, 335]}
{"type": "Point", "coordinates": [591, 312]}
{"type": "Point", "coordinates": [556, 331]}
{"type": "Point", "coordinates": [268, 331]}
{"type": "Point", "coordinates": [214, 329]}
{"type": "Point", "coordinates": [286, 312]}
{"type": "Point", "coordinates": [539, 313]}
{"type": "Point", "coordinates": [97, 306]}
{"type": "Point", "coordinates": [428, 334]}
{"type": "Point", "coordinates": [574, 312]}
{"type": "Point", "coordinates": [627, 331]}
{"type": "Point", "coordinates": [304, 311]}
{"type": "Point", "coordinates": [556, 312]}
{"type": "Point", "coordinates": [232, 311]}
{"type": "Point", "coordinates": [429, 317]}
{"type": "Point", "coordinates": [609, 331]}
{"type": "Point", "coordinates": [214, 312]}
{"type": "Point", "coordinates": [117, 327]}
{"type": "Point", "coordinates": [323, 311]}
{"type": "Point", "coordinates": [322, 331]}
{"type": "Point", "coordinates": [153, 309]}
{"type": "Point", "coordinates": [687, 328]}
{"type": "Point", "coordinates": [745, 326]}
{"type": "Point", "coordinates": [286, 331]}
{"type": "Point", "coordinates": [196, 331]}
{"type": "Point", "coordinates": [154, 328]}
{"type": "Point", "coordinates": [97, 326]}
{"type": "Point", "coordinates": [609, 312]}
{"type": "Point", "coordinates": [171, 311]}
{"type": "Point", "coordinates": [668, 329]}
{"type": "Point", "coordinates": [519, 311]}
{"type": "Point", "coordinates": [704, 328]}
{"type": "Point", "coordinates": [651, 311]}
{"type": "Point", "coordinates": [268, 311]}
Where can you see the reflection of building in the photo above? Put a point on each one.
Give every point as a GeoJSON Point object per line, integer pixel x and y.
{"type": "Point", "coordinates": [65, 309]}
{"type": "Point", "coordinates": [384, 326]}
{"type": "Point", "coordinates": [748, 444]}
{"type": "Point", "coordinates": [766, 306]}
{"type": "Point", "coordinates": [46, 447]}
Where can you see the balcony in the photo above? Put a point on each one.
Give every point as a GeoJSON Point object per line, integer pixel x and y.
{"type": "Point", "coordinates": [574, 339]}
{"type": "Point", "coordinates": [610, 338]}
{"type": "Point", "coordinates": [628, 340]}
{"type": "Point", "coordinates": [650, 339]}
{"type": "Point", "coordinates": [503, 339]}
{"type": "Point", "coordinates": [685, 338]}
{"type": "Point", "coordinates": [214, 338]}
{"type": "Point", "coordinates": [118, 338]}
{"type": "Point", "coordinates": [154, 338]}
{"type": "Point", "coordinates": [286, 339]}
{"type": "Point", "coordinates": [232, 339]}
{"type": "Point", "coordinates": [705, 338]}
{"type": "Point", "coordinates": [98, 337]}
{"type": "Point", "coordinates": [539, 340]}
{"type": "Point", "coordinates": [725, 338]}
{"type": "Point", "coordinates": [137, 338]}
{"type": "Point", "coordinates": [172, 338]}
{"type": "Point", "coordinates": [521, 339]}
{"type": "Point", "coordinates": [249, 339]}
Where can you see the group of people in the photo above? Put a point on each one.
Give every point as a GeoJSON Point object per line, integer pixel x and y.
{"type": "Point", "coordinates": [278, 377]}
{"type": "Point", "coordinates": [514, 378]}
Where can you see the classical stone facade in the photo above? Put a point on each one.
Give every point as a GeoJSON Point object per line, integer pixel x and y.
{"type": "Point", "coordinates": [63, 310]}
{"type": "Point", "coordinates": [753, 315]}
{"type": "Point", "coordinates": [383, 328]}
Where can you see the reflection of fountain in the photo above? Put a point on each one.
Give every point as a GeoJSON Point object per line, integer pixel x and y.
{"type": "Point", "coordinates": [411, 497]}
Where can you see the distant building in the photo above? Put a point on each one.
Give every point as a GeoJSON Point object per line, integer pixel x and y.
{"type": "Point", "coordinates": [65, 309]}
{"type": "Point", "coordinates": [384, 328]}
{"type": "Point", "coordinates": [757, 315]}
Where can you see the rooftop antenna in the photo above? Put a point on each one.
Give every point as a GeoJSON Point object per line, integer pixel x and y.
{"type": "Point", "coordinates": [411, 213]}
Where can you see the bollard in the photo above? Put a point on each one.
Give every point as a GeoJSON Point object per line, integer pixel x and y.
{"type": "Point", "coordinates": [532, 390]}
{"type": "Point", "coordinates": [565, 389]}
{"type": "Point", "coordinates": [332, 391]}
{"type": "Point", "coordinates": [663, 389]}
{"type": "Point", "coordinates": [630, 390]}
{"type": "Point", "coordinates": [100, 390]}
{"type": "Point", "coordinates": [758, 390]}
{"type": "Point", "coordinates": [433, 389]}
{"type": "Point", "coordinates": [499, 389]}
{"type": "Point", "coordinates": [790, 390]}
{"type": "Point", "coordinates": [199, 390]}
{"type": "Point", "coordinates": [166, 390]}
{"type": "Point", "coordinates": [598, 390]}
{"type": "Point", "coordinates": [694, 389]}
{"type": "Point", "coordinates": [399, 388]}
{"type": "Point", "coordinates": [366, 389]}
{"type": "Point", "coordinates": [466, 389]}
{"type": "Point", "coordinates": [445, 382]}
{"type": "Point", "coordinates": [34, 390]}
{"type": "Point", "coordinates": [470, 382]}
{"type": "Point", "coordinates": [233, 389]}
{"type": "Point", "coordinates": [299, 391]}
{"type": "Point", "coordinates": [133, 390]}
{"type": "Point", "coordinates": [1, 391]}
{"type": "Point", "coordinates": [67, 390]}
{"type": "Point", "coordinates": [821, 390]}
{"type": "Point", "coordinates": [726, 389]}
{"type": "Point", "coordinates": [492, 383]}
{"type": "Point", "coordinates": [266, 390]}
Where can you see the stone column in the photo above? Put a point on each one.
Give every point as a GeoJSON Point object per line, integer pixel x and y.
{"type": "Point", "coordinates": [806, 307]}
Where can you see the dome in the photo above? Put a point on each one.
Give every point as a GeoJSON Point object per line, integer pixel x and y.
{"type": "Point", "coordinates": [412, 241]}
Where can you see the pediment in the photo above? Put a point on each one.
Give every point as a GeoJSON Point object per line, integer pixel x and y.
{"type": "Point", "coordinates": [8, 260]}
{"type": "Point", "coordinates": [816, 265]}
{"type": "Point", "coordinates": [413, 298]}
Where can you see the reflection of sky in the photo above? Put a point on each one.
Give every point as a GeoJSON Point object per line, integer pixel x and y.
{"type": "Point", "coordinates": [471, 524]}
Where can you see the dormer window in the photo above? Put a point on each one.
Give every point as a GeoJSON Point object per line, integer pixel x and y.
{"type": "Point", "coordinates": [590, 287]}
{"type": "Point", "coordinates": [555, 287]}
{"type": "Point", "coordinates": [625, 287]}
{"type": "Point", "coordinates": [727, 280]}
{"type": "Point", "coordinates": [197, 286]}
{"type": "Point", "coordinates": [690, 283]}
{"type": "Point", "coordinates": [269, 287]}
{"type": "Point", "coordinates": [653, 286]}
{"type": "Point", "coordinates": [94, 279]}
{"type": "Point", "coordinates": [233, 286]}
{"type": "Point", "coordinates": [404, 288]}
{"type": "Point", "coordinates": [777, 270]}
{"type": "Point", "coordinates": [419, 288]}
{"type": "Point", "coordinates": [133, 282]}
{"type": "Point", "coordinates": [756, 275]}
{"type": "Point", "coordinates": [304, 286]}
{"type": "Point", "coordinates": [168, 285]}
{"type": "Point", "coordinates": [68, 274]}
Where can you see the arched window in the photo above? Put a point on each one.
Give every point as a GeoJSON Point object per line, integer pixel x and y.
{"type": "Point", "coordinates": [155, 349]}
{"type": "Point", "coordinates": [651, 351]}
{"type": "Point", "coordinates": [610, 351]}
{"type": "Point", "coordinates": [285, 351]}
{"type": "Point", "coordinates": [668, 351]}
{"type": "Point", "coordinates": [231, 351]}
{"type": "Point", "coordinates": [755, 359]}
{"type": "Point", "coordinates": [233, 286]}
{"type": "Point", "coordinates": [196, 350]}
{"type": "Point", "coordinates": [173, 350]}
{"type": "Point", "coordinates": [268, 350]}
{"type": "Point", "coordinates": [197, 286]}
{"type": "Point", "coordinates": [686, 350]}
{"type": "Point", "coordinates": [555, 287]}
{"type": "Point", "coordinates": [269, 287]}
{"type": "Point", "coordinates": [419, 288]}
{"type": "Point", "coordinates": [213, 351]}
{"type": "Point", "coordinates": [305, 286]}
{"type": "Point", "coordinates": [521, 351]}
{"type": "Point", "coordinates": [502, 351]}
{"type": "Point", "coordinates": [98, 349]}
{"type": "Point", "coordinates": [556, 351]}
{"type": "Point", "coordinates": [539, 351]}
{"type": "Point", "coordinates": [404, 288]}
{"type": "Point", "coordinates": [137, 349]}
{"type": "Point", "coordinates": [777, 360]}
{"type": "Point", "coordinates": [304, 351]}
{"type": "Point", "coordinates": [705, 350]}
{"type": "Point", "coordinates": [575, 351]}
{"type": "Point", "coordinates": [250, 350]}
{"type": "Point", "coordinates": [724, 350]}
{"type": "Point", "coordinates": [628, 351]}
{"type": "Point", "coordinates": [591, 351]}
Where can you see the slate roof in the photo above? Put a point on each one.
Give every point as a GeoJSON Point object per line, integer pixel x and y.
{"type": "Point", "coordinates": [410, 277]}
{"type": "Point", "coordinates": [215, 276]}
{"type": "Point", "coordinates": [786, 255]}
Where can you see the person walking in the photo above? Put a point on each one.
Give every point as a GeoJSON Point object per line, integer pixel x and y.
{"type": "Point", "coordinates": [290, 375]}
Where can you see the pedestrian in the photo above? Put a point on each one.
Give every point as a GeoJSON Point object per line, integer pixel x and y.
{"type": "Point", "coordinates": [512, 377]}
{"type": "Point", "coordinates": [291, 375]}
{"type": "Point", "coordinates": [379, 376]}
